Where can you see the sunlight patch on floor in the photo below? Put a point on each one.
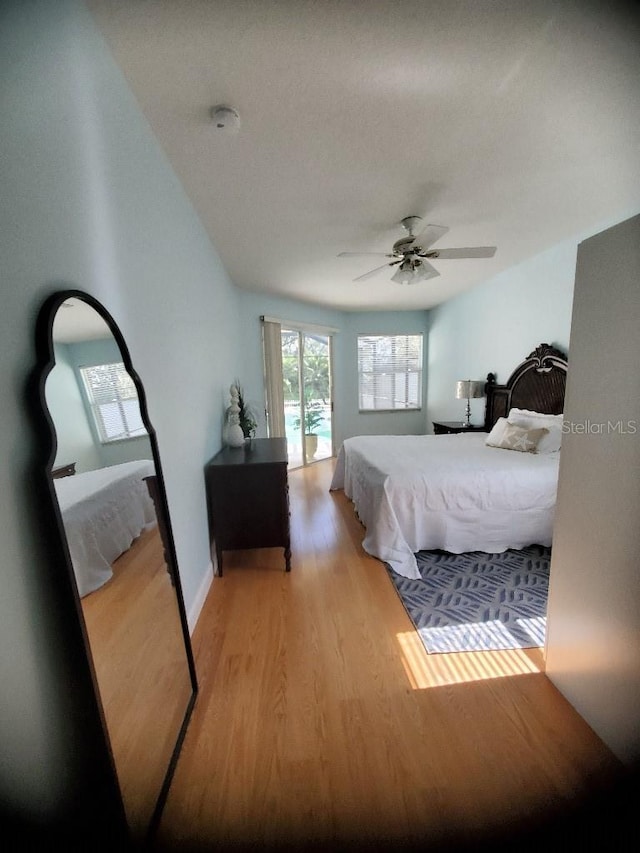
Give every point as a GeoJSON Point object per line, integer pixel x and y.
{"type": "Point", "coordinates": [436, 670]}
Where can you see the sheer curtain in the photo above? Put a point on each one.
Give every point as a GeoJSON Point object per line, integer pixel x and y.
{"type": "Point", "coordinates": [272, 347]}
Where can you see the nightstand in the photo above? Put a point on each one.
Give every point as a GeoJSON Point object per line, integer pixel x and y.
{"type": "Point", "coordinates": [450, 427]}
{"type": "Point", "coordinates": [64, 471]}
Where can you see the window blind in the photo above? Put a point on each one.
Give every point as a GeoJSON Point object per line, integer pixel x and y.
{"type": "Point", "coordinates": [389, 372]}
{"type": "Point", "coordinates": [113, 400]}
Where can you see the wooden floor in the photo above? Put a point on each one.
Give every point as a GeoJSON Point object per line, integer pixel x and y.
{"type": "Point", "coordinates": [141, 666]}
{"type": "Point", "coordinates": [321, 722]}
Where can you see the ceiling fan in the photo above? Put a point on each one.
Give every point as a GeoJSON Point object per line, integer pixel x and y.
{"type": "Point", "coordinates": [411, 254]}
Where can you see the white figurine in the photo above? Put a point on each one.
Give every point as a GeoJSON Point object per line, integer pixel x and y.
{"type": "Point", "coordinates": [235, 436]}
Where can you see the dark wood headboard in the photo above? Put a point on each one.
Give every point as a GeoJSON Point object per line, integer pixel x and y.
{"type": "Point", "coordinates": [537, 384]}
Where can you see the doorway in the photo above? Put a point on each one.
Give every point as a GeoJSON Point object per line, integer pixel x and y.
{"type": "Point", "coordinates": [306, 388]}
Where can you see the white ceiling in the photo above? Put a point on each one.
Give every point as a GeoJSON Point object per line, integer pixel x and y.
{"type": "Point", "coordinates": [515, 123]}
{"type": "Point", "coordinates": [75, 321]}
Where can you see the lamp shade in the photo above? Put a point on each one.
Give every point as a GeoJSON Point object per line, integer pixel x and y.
{"type": "Point", "coordinates": [409, 272]}
{"type": "Point", "coordinates": [412, 270]}
{"type": "Point", "coordinates": [467, 389]}
{"type": "Point", "coordinates": [405, 274]}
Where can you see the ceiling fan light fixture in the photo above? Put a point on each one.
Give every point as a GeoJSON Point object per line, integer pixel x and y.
{"type": "Point", "coordinates": [410, 271]}
{"type": "Point", "coordinates": [402, 277]}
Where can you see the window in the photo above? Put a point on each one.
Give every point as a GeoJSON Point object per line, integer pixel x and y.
{"type": "Point", "coordinates": [113, 400]}
{"type": "Point", "coordinates": [389, 372]}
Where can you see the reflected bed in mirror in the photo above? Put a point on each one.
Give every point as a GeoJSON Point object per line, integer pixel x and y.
{"type": "Point", "coordinates": [103, 512]}
{"type": "Point", "coordinates": [108, 491]}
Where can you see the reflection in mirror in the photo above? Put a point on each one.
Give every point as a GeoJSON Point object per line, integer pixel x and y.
{"type": "Point", "coordinates": [108, 484]}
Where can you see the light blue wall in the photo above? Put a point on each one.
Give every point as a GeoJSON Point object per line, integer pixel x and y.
{"type": "Point", "coordinates": [347, 420]}
{"type": "Point", "coordinates": [89, 201]}
{"type": "Point", "coordinates": [496, 325]}
{"type": "Point", "coordinates": [75, 439]}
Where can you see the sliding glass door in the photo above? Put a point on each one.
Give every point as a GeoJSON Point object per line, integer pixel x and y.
{"type": "Point", "coordinates": [306, 385]}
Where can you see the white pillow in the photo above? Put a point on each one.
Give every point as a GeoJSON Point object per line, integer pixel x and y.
{"type": "Point", "coordinates": [550, 443]}
{"type": "Point", "coordinates": [517, 437]}
{"type": "Point", "coordinates": [527, 414]}
{"type": "Point", "coordinates": [495, 436]}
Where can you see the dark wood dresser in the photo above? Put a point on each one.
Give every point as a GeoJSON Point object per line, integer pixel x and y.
{"type": "Point", "coordinates": [248, 498]}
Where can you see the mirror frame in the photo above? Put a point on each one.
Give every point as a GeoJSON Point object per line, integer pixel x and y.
{"type": "Point", "coordinates": [45, 362]}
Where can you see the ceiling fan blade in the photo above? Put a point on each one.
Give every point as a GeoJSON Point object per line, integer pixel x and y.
{"type": "Point", "coordinates": [376, 270]}
{"type": "Point", "coordinates": [469, 252]}
{"type": "Point", "coordinates": [364, 255]}
{"type": "Point", "coordinates": [428, 236]}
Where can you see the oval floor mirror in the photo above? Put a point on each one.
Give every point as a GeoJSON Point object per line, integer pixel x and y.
{"type": "Point", "coordinates": [109, 497]}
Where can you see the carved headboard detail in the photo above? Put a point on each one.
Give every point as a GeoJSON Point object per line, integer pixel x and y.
{"type": "Point", "coordinates": [537, 384]}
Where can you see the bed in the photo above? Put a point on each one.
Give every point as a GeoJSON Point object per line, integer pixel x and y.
{"type": "Point", "coordinates": [103, 511]}
{"type": "Point", "coordinates": [455, 492]}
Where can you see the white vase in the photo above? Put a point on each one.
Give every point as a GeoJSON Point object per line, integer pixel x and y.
{"type": "Point", "coordinates": [235, 436]}
{"type": "Point", "coordinates": [311, 445]}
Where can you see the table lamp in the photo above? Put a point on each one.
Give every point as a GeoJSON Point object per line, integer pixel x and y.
{"type": "Point", "coordinates": [465, 390]}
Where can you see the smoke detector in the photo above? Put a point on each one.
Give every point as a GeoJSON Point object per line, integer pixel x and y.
{"type": "Point", "coordinates": [225, 119]}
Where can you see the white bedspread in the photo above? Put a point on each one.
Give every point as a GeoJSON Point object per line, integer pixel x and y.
{"type": "Point", "coordinates": [103, 512]}
{"type": "Point", "coordinates": [447, 492]}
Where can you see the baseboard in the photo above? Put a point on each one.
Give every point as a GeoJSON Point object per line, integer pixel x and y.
{"type": "Point", "coordinates": [198, 603]}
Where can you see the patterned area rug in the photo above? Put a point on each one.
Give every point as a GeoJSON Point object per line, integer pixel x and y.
{"type": "Point", "coordinates": [478, 602]}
